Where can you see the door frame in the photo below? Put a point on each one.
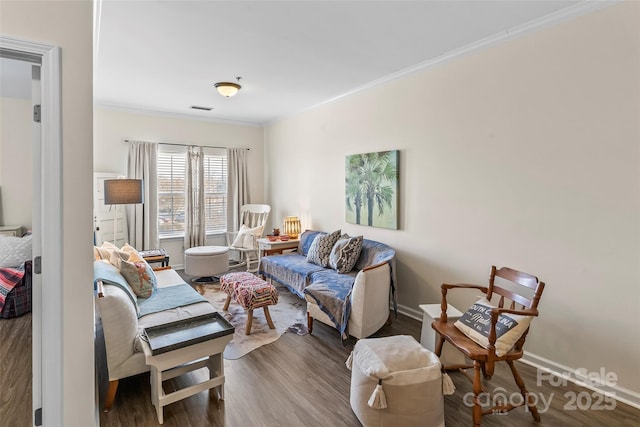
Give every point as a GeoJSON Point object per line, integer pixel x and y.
{"type": "Point", "coordinates": [47, 319]}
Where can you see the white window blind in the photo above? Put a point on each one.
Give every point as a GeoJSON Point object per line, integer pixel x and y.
{"type": "Point", "coordinates": [215, 196]}
{"type": "Point", "coordinates": [171, 191]}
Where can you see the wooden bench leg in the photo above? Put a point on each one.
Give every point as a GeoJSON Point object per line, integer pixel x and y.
{"type": "Point", "coordinates": [309, 322]}
{"type": "Point", "coordinates": [249, 322]}
{"type": "Point", "coordinates": [111, 395]}
{"type": "Point", "coordinates": [226, 303]}
{"type": "Point", "coordinates": [267, 316]}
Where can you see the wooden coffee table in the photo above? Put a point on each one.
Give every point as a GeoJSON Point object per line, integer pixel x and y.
{"type": "Point", "coordinates": [181, 347]}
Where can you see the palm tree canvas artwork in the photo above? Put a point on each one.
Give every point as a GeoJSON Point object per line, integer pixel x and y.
{"type": "Point", "coordinates": [371, 189]}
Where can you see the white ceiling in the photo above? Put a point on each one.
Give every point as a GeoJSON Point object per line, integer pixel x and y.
{"type": "Point", "coordinates": [165, 56]}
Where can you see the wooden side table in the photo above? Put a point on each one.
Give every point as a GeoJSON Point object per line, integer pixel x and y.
{"type": "Point", "coordinates": [430, 313]}
{"type": "Point", "coordinates": [267, 247]}
{"type": "Point", "coordinates": [181, 349]}
{"type": "Point", "coordinates": [11, 230]}
{"type": "Point", "coordinates": [156, 255]}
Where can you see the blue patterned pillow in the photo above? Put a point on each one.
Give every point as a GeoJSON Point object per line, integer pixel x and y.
{"type": "Point", "coordinates": [321, 248]}
{"type": "Point", "coordinates": [306, 239]}
{"type": "Point", "coordinates": [345, 253]}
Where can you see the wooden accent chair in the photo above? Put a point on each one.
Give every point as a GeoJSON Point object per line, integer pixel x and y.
{"type": "Point", "coordinates": [517, 285]}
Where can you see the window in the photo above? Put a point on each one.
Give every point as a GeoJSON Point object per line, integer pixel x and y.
{"type": "Point", "coordinates": [171, 191]}
{"type": "Point", "coordinates": [215, 192]}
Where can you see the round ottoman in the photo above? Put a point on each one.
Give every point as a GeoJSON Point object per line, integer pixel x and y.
{"type": "Point", "coordinates": [204, 262]}
{"type": "Point", "coordinates": [396, 382]}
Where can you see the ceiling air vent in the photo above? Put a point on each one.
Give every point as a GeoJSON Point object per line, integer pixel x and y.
{"type": "Point", "coordinates": [197, 107]}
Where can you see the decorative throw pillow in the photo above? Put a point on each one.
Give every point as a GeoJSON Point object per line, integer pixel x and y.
{"type": "Point", "coordinates": [128, 248]}
{"type": "Point", "coordinates": [321, 248]}
{"type": "Point", "coordinates": [140, 277]}
{"type": "Point", "coordinates": [476, 322]}
{"type": "Point", "coordinates": [110, 252]}
{"type": "Point", "coordinates": [345, 253]}
{"type": "Point", "coordinates": [306, 239]}
{"type": "Point", "coordinates": [108, 245]}
{"type": "Point", "coordinates": [14, 250]}
{"type": "Point", "coordinates": [246, 237]}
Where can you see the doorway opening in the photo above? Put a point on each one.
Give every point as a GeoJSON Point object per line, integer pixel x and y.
{"type": "Point", "coordinates": [44, 139]}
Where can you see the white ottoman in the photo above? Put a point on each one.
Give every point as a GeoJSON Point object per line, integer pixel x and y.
{"type": "Point", "coordinates": [395, 381]}
{"type": "Point", "coordinates": [204, 262]}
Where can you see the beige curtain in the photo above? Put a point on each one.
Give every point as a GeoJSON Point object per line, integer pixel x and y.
{"type": "Point", "coordinates": [142, 219]}
{"type": "Point", "coordinates": [194, 233]}
{"type": "Point", "coordinates": [237, 186]}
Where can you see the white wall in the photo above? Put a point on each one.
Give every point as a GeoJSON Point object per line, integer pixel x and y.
{"type": "Point", "coordinates": [110, 153]}
{"type": "Point", "coordinates": [68, 24]}
{"type": "Point", "coordinates": [16, 170]}
{"type": "Point", "coordinates": [525, 154]}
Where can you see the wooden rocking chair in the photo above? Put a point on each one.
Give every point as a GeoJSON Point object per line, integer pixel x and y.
{"type": "Point", "coordinates": [253, 217]}
{"type": "Point", "coordinates": [484, 356]}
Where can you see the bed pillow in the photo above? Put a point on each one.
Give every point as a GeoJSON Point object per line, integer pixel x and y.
{"type": "Point", "coordinates": [476, 322]}
{"type": "Point", "coordinates": [345, 253]}
{"type": "Point", "coordinates": [245, 237]}
{"type": "Point", "coordinates": [321, 248]}
{"type": "Point", "coordinates": [14, 250]}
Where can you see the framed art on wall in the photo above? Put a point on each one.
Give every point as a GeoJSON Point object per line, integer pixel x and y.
{"type": "Point", "coordinates": [371, 189]}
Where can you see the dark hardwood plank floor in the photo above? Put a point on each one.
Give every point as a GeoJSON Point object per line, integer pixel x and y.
{"type": "Point", "coordinates": [303, 381]}
{"type": "Point", "coordinates": [15, 371]}
{"type": "Point", "coordinates": [295, 381]}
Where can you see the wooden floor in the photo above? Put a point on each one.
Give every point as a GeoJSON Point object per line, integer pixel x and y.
{"type": "Point", "coordinates": [15, 371]}
{"type": "Point", "coordinates": [296, 381]}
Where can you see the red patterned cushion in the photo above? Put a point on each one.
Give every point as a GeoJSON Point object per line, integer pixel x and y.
{"type": "Point", "coordinates": [249, 290]}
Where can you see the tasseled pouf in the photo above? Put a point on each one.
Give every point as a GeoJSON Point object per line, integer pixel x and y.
{"type": "Point", "coordinates": [395, 381]}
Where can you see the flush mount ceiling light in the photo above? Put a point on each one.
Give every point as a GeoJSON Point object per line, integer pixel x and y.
{"type": "Point", "coordinates": [228, 89]}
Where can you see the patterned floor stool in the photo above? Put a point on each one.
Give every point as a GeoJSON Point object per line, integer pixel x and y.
{"type": "Point", "coordinates": [250, 292]}
{"type": "Point", "coordinates": [395, 382]}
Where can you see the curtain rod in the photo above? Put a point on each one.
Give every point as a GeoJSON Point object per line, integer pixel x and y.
{"type": "Point", "coordinates": [183, 145]}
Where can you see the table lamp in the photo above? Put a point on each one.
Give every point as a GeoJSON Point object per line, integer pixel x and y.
{"type": "Point", "coordinates": [292, 226]}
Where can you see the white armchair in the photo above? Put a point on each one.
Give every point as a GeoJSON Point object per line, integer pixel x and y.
{"type": "Point", "coordinates": [369, 303]}
{"type": "Point", "coordinates": [244, 242]}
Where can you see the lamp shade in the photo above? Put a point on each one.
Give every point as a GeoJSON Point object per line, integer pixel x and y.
{"type": "Point", "coordinates": [227, 89]}
{"type": "Point", "coordinates": [292, 226]}
{"type": "Point", "coordinates": [123, 191]}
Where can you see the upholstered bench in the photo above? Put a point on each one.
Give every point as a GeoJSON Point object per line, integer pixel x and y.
{"type": "Point", "coordinates": [250, 292]}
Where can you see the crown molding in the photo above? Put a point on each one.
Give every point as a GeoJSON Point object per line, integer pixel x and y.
{"type": "Point", "coordinates": [552, 19]}
{"type": "Point", "coordinates": [158, 113]}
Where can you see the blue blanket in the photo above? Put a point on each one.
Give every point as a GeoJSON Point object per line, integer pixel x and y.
{"type": "Point", "coordinates": [161, 298]}
{"type": "Point", "coordinates": [168, 298]}
{"type": "Point", "coordinates": [110, 275]}
{"type": "Point", "coordinates": [330, 290]}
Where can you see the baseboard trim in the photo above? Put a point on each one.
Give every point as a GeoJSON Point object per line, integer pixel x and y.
{"type": "Point", "coordinates": [579, 377]}
{"type": "Point", "coordinates": [410, 312]}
